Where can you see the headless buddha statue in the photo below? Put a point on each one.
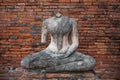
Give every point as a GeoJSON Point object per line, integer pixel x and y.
{"type": "Point", "coordinates": [60, 55]}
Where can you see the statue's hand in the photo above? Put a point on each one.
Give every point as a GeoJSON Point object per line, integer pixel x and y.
{"type": "Point", "coordinates": [67, 54]}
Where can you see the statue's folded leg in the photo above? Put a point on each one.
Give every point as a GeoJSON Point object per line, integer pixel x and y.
{"type": "Point", "coordinates": [35, 60]}
{"type": "Point", "coordinates": [84, 64]}
{"type": "Point", "coordinates": [44, 61]}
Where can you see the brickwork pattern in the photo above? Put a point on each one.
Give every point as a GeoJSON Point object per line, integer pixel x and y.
{"type": "Point", "coordinates": [98, 25]}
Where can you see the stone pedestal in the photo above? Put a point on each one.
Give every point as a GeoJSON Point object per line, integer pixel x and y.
{"type": "Point", "coordinates": [58, 76]}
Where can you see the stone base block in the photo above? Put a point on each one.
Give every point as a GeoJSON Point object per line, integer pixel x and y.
{"type": "Point", "coordinates": [58, 76]}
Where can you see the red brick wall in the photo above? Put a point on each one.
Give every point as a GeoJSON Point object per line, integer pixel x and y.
{"type": "Point", "coordinates": [98, 24]}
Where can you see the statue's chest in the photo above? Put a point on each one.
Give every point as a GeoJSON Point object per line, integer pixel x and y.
{"type": "Point", "coordinates": [58, 27]}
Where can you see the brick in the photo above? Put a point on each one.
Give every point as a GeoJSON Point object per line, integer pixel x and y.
{"type": "Point", "coordinates": [7, 4]}
{"type": "Point", "coordinates": [21, 4]}
{"type": "Point", "coordinates": [0, 0]}
{"type": "Point", "coordinates": [64, 0]}
{"type": "Point", "coordinates": [32, 0]}
{"type": "Point", "coordinates": [74, 0]}
{"type": "Point", "coordinates": [38, 10]}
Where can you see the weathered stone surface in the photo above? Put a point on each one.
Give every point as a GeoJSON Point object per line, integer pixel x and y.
{"type": "Point", "coordinates": [60, 55]}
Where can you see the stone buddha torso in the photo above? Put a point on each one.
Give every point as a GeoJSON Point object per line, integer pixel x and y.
{"type": "Point", "coordinates": [60, 30]}
{"type": "Point", "coordinates": [60, 55]}
{"type": "Point", "coordinates": [59, 35]}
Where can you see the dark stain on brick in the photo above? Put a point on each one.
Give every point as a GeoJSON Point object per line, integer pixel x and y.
{"type": "Point", "coordinates": [92, 28]}
{"type": "Point", "coordinates": [16, 19]}
{"type": "Point", "coordinates": [115, 22]}
{"type": "Point", "coordinates": [13, 37]}
{"type": "Point", "coordinates": [22, 24]}
{"type": "Point", "coordinates": [36, 32]}
{"type": "Point", "coordinates": [114, 38]}
{"type": "Point", "coordinates": [38, 19]}
{"type": "Point", "coordinates": [103, 5]}
{"type": "Point", "coordinates": [18, 44]}
{"type": "Point", "coordinates": [116, 8]}
{"type": "Point", "coordinates": [85, 17]}
{"type": "Point", "coordinates": [33, 26]}
{"type": "Point", "coordinates": [8, 46]}
{"type": "Point", "coordinates": [112, 32]}
{"type": "Point", "coordinates": [10, 7]}
{"type": "Point", "coordinates": [55, 0]}
{"type": "Point", "coordinates": [23, 31]}
{"type": "Point", "coordinates": [13, 24]}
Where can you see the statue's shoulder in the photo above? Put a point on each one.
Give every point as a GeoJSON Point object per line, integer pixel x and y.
{"type": "Point", "coordinates": [72, 20]}
{"type": "Point", "coordinates": [48, 20]}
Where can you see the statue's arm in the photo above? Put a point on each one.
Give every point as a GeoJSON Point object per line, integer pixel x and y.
{"type": "Point", "coordinates": [44, 33]}
{"type": "Point", "coordinates": [75, 41]}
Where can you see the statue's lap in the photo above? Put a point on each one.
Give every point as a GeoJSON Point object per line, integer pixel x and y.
{"type": "Point", "coordinates": [45, 59]}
